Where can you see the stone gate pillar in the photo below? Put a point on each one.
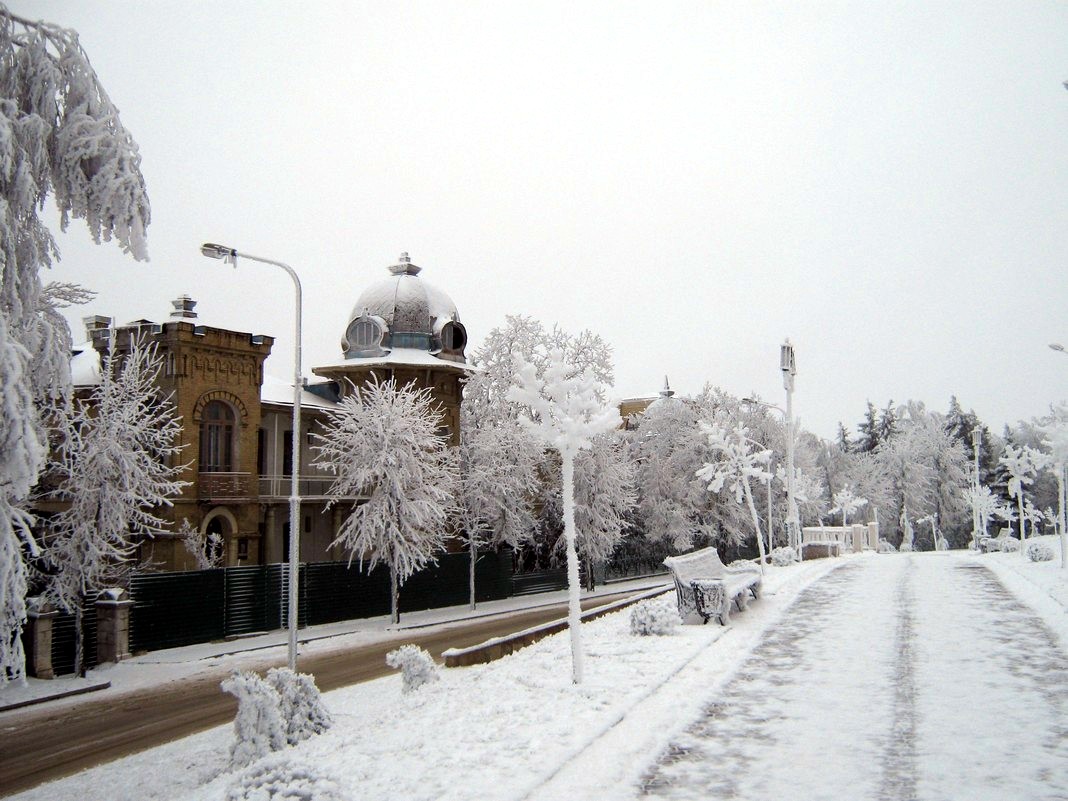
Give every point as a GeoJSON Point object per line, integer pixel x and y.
{"type": "Point", "coordinates": [112, 626]}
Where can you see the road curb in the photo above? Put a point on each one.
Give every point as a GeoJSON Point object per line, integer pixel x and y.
{"type": "Point", "coordinates": [92, 688]}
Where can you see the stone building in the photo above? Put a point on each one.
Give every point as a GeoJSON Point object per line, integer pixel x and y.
{"type": "Point", "coordinates": [237, 423]}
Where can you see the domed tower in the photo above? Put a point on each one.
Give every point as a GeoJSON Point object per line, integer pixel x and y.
{"type": "Point", "coordinates": [404, 328]}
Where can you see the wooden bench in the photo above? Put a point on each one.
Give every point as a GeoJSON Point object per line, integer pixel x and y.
{"type": "Point", "coordinates": [708, 587]}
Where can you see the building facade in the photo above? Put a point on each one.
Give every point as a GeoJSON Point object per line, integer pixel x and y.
{"type": "Point", "coordinates": [237, 423]}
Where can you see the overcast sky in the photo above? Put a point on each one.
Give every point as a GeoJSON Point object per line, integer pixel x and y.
{"type": "Point", "coordinates": [885, 183]}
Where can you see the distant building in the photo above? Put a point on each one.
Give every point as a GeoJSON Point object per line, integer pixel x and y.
{"type": "Point", "coordinates": [237, 433]}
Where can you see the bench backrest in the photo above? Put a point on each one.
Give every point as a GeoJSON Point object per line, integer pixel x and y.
{"type": "Point", "coordinates": [702, 564]}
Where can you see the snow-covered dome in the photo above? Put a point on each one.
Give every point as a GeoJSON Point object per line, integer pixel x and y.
{"type": "Point", "coordinates": [404, 311]}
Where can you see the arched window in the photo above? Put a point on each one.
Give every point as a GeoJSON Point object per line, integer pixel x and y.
{"type": "Point", "coordinates": [217, 438]}
{"type": "Point", "coordinates": [363, 335]}
{"type": "Point", "coordinates": [453, 337]}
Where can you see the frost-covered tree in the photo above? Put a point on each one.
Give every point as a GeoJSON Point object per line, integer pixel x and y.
{"type": "Point", "coordinates": [1056, 439]}
{"type": "Point", "coordinates": [1023, 464]}
{"type": "Point", "coordinates": [115, 467]}
{"type": "Point", "coordinates": [846, 503]}
{"type": "Point", "coordinates": [741, 461]}
{"type": "Point", "coordinates": [567, 410]}
{"type": "Point", "coordinates": [667, 451]}
{"type": "Point", "coordinates": [60, 138]}
{"type": "Point", "coordinates": [497, 485]}
{"type": "Point", "coordinates": [985, 503]}
{"type": "Point", "coordinates": [605, 496]}
{"type": "Point", "coordinates": [383, 442]}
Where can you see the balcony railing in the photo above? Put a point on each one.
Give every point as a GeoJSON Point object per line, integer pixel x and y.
{"type": "Point", "coordinates": [226, 486]}
{"type": "Point", "coordinates": [278, 487]}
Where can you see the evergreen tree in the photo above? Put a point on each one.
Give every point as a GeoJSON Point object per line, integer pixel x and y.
{"type": "Point", "coordinates": [868, 439]}
{"type": "Point", "coordinates": [842, 439]}
{"type": "Point", "coordinates": [888, 423]}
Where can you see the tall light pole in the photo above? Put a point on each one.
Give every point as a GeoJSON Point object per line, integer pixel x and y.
{"type": "Point", "coordinates": [229, 255]}
{"type": "Point", "coordinates": [977, 440]}
{"type": "Point", "coordinates": [788, 365]}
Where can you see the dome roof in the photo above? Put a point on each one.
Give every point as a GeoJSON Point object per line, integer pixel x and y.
{"type": "Point", "coordinates": [405, 302]}
{"type": "Point", "coordinates": [404, 312]}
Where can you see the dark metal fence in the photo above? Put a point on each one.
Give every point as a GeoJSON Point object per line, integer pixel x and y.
{"type": "Point", "coordinates": [174, 609]}
{"type": "Point", "coordinates": [63, 639]}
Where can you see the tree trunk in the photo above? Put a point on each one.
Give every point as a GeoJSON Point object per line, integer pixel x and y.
{"type": "Point", "coordinates": [394, 595]}
{"type": "Point", "coordinates": [1023, 531]}
{"type": "Point", "coordinates": [79, 639]}
{"type": "Point", "coordinates": [1062, 498]}
{"type": "Point", "coordinates": [756, 522]}
{"type": "Point", "coordinates": [574, 616]}
{"type": "Point", "coordinates": [471, 578]}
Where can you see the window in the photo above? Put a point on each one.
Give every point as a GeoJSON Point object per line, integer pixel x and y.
{"type": "Point", "coordinates": [453, 337]}
{"type": "Point", "coordinates": [363, 334]}
{"type": "Point", "coordinates": [261, 450]}
{"type": "Point", "coordinates": [217, 438]}
{"type": "Point", "coordinates": [242, 548]}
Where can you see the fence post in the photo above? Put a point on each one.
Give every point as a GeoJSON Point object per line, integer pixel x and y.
{"type": "Point", "coordinates": [38, 636]}
{"type": "Point", "coordinates": [112, 626]}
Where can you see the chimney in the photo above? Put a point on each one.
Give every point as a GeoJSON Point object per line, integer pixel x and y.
{"type": "Point", "coordinates": [95, 322]}
{"type": "Point", "coordinates": [183, 308]}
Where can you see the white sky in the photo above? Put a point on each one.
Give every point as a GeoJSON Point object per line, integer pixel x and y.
{"type": "Point", "coordinates": [886, 184]}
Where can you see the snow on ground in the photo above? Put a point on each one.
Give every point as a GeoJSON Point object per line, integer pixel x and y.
{"type": "Point", "coordinates": [173, 664]}
{"type": "Point", "coordinates": [497, 731]}
{"type": "Point", "coordinates": [895, 676]}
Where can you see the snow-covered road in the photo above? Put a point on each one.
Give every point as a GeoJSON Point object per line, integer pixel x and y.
{"type": "Point", "coordinates": [895, 678]}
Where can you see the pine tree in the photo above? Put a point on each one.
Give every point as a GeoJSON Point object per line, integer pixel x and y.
{"type": "Point", "coordinates": [868, 439]}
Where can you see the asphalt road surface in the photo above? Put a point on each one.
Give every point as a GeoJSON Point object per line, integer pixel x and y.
{"type": "Point", "coordinates": [42, 745]}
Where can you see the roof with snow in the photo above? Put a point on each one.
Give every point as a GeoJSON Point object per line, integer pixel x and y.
{"type": "Point", "coordinates": [84, 365]}
{"type": "Point", "coordinates": [403, 321]}
{"type": "Point", "coordinates": [280, 392]}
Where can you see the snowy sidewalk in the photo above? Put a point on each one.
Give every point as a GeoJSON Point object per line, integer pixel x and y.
{"type": "Point", "coordinates": [902, 677]}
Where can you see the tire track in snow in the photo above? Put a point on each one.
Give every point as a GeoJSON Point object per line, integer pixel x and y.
{"type": "Point", "coordinates": [898, 781]}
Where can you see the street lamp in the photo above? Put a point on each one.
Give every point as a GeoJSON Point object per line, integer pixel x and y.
{"type": "Point", "coordinates": [229, 256]}
{"type": "Point", "coordinates": [977, 440]}
{"type": "Point", "coordinates": [788, 365]}
{"type": "Point", "coordinates": [1057, 346]}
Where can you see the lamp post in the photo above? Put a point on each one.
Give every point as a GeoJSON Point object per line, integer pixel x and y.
{"type": "Point", "coordinates": [229, 255]}
{"type": "Point", "coordinates": [1057, 346]}
{"type": "Point", "coordinates": [788, 365]}
{"type": "Point", "coordinates": [977, 440]}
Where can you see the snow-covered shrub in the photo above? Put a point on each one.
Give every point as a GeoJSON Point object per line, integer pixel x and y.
{"type": "Point", "coordinates": [783, 555]}
{"type": "Point", "coordinates": [282, 778]}
{"type": "Point", "coordinates": [415, 664]}
{"type": "Point", "coordinates": [1009, 544]}
{"type": "Point", "coordinates": [1039, 552]}
{"type": "Point", "coordinates": [657, 616]}
{"type": "Point", "coordinates": [886, 547]}
{"type": "Point", "coordinates": [905, 547]}
{"type": "Point", "coordinates": [258, 727]}
{"type": "Point", "coordinates": [300, 703]}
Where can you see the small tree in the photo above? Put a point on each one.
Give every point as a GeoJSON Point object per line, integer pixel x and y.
{"type": "Point", "coordinates": [1056, 439]}
{"type": "Point", "coordinates": [566, 410]}
{"type": "Point", "coordinates": [847, 503]}
{"type": "Point", "coordinates": [116, 470]}
{"type": "Point", "coordinates": [986, 504]}
{"type": "Point", "coordinates": [383, 442]}
{"type": "Point", "coordinates": [741, 462]}
{"type": "Point", "coordinates": [497, 482]}
{"type": "Point", "coordinates": [1023, 464]}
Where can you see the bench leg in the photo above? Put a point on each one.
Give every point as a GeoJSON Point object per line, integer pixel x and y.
{"type": "Point", "coordinates": [725, 615]}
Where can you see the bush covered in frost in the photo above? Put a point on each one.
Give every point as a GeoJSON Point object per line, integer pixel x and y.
{"type": "Point", "coordinates": [1039, 552]}
{"type": "Point", "coordinates": [282, 778]}
{"type": "Point", "coordinates": [904, 547]}
{"type": "Point", "coordinates": [258, 727]}
{"type": "Point", "coordinates": [1009, 544]}
{"type": "Point", "coordinates": [300, 703]}
{"type": "Point", "coordinates": [886, 547]}
{"type": "Point", "coordinates": [783, 555]}
{"type": "Point", "coordinates": [415, 664]}
{"type": "Point", "coordinates": [658, 616]}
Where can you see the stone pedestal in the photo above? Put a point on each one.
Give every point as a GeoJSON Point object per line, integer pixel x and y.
{"type": "Point", "coordinates": [38, 641]}
{"type": "Point", "coordinates": [112, 627]}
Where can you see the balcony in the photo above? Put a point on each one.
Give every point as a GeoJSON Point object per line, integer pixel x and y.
{"type": "Point", "coordinates": [226, 487]}
{"type": "Point", "coordinates": [277, 488]}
